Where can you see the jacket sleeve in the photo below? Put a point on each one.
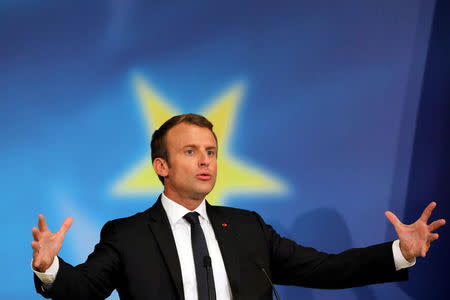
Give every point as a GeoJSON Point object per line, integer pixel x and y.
{"type": "Point", "coordinates": [94, 279]}
{"type": "Point", "coordinates": [293, 264]}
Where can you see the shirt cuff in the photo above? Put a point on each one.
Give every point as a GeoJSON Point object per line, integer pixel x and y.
{"type": "Point", "coordinates": [48, 277]}
{"type": "Point", "coordinates": [399, 260]}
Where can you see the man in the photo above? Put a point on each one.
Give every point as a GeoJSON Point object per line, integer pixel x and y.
{"type": "Point", "coordinates": [183, 248]}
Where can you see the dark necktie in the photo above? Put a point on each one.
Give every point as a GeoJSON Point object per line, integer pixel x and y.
{"type": "Point", "coordinates": [200, 251]}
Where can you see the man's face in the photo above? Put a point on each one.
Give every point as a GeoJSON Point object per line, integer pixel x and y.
{"type": "Point", "coordinates": [192, 167]}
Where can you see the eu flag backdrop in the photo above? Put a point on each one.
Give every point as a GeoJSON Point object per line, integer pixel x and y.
{"type": "Point", "coordinates": [314, 103]}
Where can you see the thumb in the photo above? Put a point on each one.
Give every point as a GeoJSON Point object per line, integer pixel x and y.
{"type": "Point", "coordinates": [65, 226]}
{"type": "Point", "coordinates": [393, 219]}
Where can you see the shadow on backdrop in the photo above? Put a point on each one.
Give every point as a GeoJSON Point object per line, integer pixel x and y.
{"type": "Point", "coordinates": [310, 229]}
{"type": "Point", "coordinates": [430, 166]}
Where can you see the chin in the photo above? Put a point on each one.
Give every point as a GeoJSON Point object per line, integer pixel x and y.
{"type": "Point", "coordinates": [198, 196]}
{"type": "Point", "coordinates": [201, 194]}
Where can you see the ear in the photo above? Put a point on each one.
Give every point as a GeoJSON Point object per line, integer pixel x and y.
{"type": "Point", "coordinates": [161, 167]}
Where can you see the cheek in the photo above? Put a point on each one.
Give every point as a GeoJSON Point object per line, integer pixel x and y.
{"type": "Point", "coordinates": [183, 170]}
{"type": "Point", "coordinates": [214, 166]}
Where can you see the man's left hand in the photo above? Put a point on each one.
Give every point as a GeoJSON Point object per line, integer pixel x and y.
{"type": "Point", "coordinates": [415, 239]}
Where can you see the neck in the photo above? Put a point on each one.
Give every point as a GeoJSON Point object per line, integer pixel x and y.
{"type": "Point", "coordinates": [186, 202]}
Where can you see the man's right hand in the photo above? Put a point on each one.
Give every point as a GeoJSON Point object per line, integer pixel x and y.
{"type": "Point", "coordinates": [46, 244]}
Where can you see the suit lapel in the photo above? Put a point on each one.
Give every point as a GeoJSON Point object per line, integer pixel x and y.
{"type": "Point", "coordinates": [226, 237]}
{"type": "Point", "coordinates": [160, 226]}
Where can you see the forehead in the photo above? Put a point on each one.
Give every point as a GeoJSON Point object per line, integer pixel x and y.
{"type": "Point", "coordinates": [189, 134]}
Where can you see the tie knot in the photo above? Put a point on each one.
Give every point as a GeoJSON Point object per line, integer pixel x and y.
{"type": "Point", "coordinates": [192, 218]}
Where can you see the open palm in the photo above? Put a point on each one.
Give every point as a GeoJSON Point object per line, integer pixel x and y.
{"type": "Point", "coordinates": [415, 238]}
{"type": "Point", "coordinates": [46, 244]}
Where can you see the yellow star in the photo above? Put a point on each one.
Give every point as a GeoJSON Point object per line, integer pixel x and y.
{"type": "Point", "coordinates": [234, 176]}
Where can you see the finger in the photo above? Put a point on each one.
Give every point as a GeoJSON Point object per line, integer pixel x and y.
{"type": "Point", "coordinates": [436, 224]}
{"type": "Point", "coordinates": [65, 226]}
{"type": "Point", "coordinates": [393, 219]}
{"type": "Point", "coordinates": [35, 246]}
{"type": "Point", "coordinates": [37, 261]}
{"type": "Point", "coordinates": [35, 233]}
{"type": "Point", "coordinates": [433, 237]}
{"type": "Point", "coordinates": [423, 253]}
{"type": "Point", "coordinates": [427, 212]}
{"type": "Point", "coordinates": [41, 223]}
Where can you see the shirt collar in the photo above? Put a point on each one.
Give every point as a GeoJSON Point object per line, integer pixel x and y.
{"type": "Point", "coordinates": [175, 211]}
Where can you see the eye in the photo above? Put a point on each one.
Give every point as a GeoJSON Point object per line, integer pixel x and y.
{"type": "Point", "coordinates": [211, 153]}
{"type": "Point", "coordinates": [189, 151]}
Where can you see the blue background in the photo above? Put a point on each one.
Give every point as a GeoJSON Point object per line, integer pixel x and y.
{"type": "Point", "coordinates": [336, 106]}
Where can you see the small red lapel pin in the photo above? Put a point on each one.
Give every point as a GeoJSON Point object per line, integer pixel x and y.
{"type": "Point", "coordinates": [224, 224]}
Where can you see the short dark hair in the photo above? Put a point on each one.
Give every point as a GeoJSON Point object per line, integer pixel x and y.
{"type": "Point", "coordinates": [158, 144]}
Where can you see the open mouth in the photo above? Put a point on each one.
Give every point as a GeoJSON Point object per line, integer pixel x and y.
{"type": "Point", "coordinates": [204, 176]}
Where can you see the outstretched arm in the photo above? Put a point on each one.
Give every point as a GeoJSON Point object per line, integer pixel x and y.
{"type": "Point", "coordinates": [415, 239]}
{"type": "Point", "coordinates": [46, 244]}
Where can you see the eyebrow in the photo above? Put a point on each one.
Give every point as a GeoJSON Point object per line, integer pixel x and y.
{"type": "Point", "coordinates": [196, 146]}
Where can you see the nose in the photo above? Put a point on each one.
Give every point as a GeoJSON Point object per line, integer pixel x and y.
{"type": "Point", "coordinates": [204, 159]}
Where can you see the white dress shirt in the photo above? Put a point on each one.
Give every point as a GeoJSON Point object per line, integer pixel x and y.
{"type": "Point", "coordinates": [182, 234]}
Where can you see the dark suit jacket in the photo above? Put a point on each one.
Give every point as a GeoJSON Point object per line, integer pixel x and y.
{"type": "Point", "coordinates": [138, 257]}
